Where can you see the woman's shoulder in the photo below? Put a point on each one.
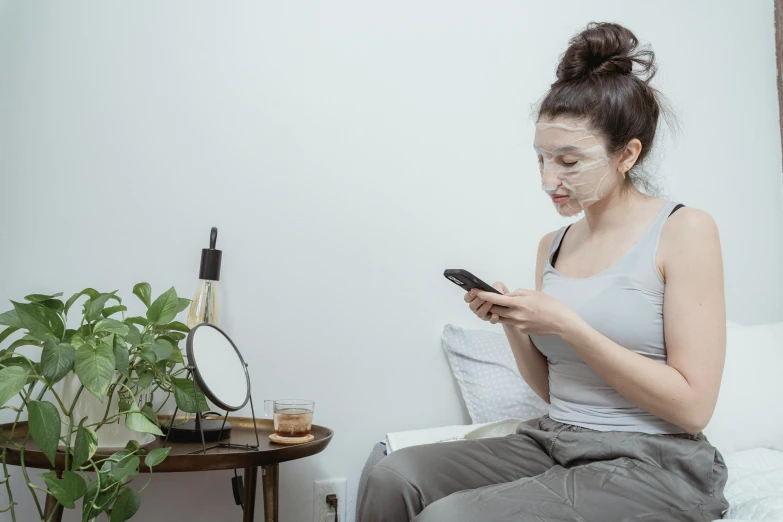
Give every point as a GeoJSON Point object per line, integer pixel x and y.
{"type": "Point", "coordinates": [688, 224]}
{"type": "Point", "coordinates": [689, 237]}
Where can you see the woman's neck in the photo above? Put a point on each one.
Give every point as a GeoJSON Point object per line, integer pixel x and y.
{"type": "Point", "coordinates": [613, 212]}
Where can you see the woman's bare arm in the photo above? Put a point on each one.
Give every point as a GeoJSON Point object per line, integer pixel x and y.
{"type": "Point", "coordinates": [531, 363]}
{"type": "Point", "coordinates": [683, 391]}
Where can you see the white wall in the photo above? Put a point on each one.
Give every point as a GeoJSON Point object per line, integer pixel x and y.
{"type": "Point", "coordinates": [348, 151]}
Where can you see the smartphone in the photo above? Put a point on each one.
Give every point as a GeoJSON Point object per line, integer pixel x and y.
{"type": "Point", "coordinates": [467, 281]}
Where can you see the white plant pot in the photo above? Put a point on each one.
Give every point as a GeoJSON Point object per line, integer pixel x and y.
{"type": "Point", "coordinates": [111, 436]}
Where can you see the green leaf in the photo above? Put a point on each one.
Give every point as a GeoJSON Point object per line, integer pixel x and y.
{"type": "Point", "coordinates": [95, 367]}
{"type": "Point", "coordinates": [156, 456]}
{"type": "Point", "coordinates": [91, 292]}
{"type": "Point", "coordinates": [137, 421]}
{"type": "Point", "coordinates": [85, 446]}
{"type": "Point", "coordinates": [8, 331]}
{"type": "Point", "coordinates": [133, 336]}
{"type": "Point", "coordinates": [177, 326]}
{"type": "Point", "coordinates": [67, 490]}
{"type": "Point", "coordinates": [113, 310]}
{"type": "Point", "coordinates": [163, 349]}
{"type": "Point", "coordinates": [124, 405]}
{"type": "Point", "coordinates": [10, 318]}
{"type": "Point", "coordinates": [56, 361]}
{"type": "Point", "coordinates": [97, 497]}
{"type": "Point", "coordinates": [183, 396]}
{"type": "Point", "coordinates": [143, 291]}
{"type": "Point", "coordinates": [22, 362]}
{"type": "Point", "coordinates": [164, 309]}
{"type": "Point", "coordinates": [42, 323]}
{"type": "Point", "coordinates": [76, 340]}
{"type": "Point", "coordinates": [173, 337]}
{"type": "Point", "coordinates": [12, 380]}
{"type": "Point", "coordinates": [111, 326]}
{"type": "Point", "coordinates": [137, 320]}
{"type": "Point", "coordinates": [44, 423]}
{"type": "Point", "coordinates": [96, 305]}
{"type": "Point", "coordinates": [53, 304]}
{"type": "Point", "coordinates": [127, 467]}
{"type": "Point", "coordinates": [144, 379]}
{"type": "Point", "coordinates": [176, 357]}
{"type": "Point", "coordinates": [147, 412]}
{"type": "Point", "coordinates": [126, 505]}
{"type": "Point", "coordinates": [182, 303]}
{"type": "Point", "coordinates": [147, 353]}
{"type": "Point", "coordinates": [24, 342]}
{"type": "Point", "coordinates": [38, 298]}
{"type": "Point", "coordinates": [132, 445]}
{"type": "Point", "coordinates": [121, 357]}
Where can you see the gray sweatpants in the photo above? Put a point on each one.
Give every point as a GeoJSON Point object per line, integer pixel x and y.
{"type": "Point", "coordinates": [550, 471]}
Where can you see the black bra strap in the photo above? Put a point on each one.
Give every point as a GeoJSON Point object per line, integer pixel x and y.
{"type": "Point", "coordinates": [675, 209]}
{"type": "Point", "coordinates": [557, 250]}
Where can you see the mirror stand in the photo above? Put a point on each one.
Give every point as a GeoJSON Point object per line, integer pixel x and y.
{"type": "Point", "coordinates": [199, 425]}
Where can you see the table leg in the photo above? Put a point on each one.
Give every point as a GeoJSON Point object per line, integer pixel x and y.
{"type": "Point", "coordinates": [251, 483]}
{"type": "Point", "coordinates": [271, 483]}
{"type": "Point", "coordinates": [53, 507]}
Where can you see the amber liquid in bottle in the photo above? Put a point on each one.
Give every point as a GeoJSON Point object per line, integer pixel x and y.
{"type": "Point", "coordinates": [205, 307]}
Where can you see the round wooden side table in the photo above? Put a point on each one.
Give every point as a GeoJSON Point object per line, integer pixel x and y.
{"type": "Point", "coordinates": [181, 459]}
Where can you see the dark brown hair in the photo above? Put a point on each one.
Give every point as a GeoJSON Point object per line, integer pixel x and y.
{"type": "Point", "coordinates": [604, 77]}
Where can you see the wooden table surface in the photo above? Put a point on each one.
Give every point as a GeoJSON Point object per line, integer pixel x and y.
{"type": "Point", "coordinates": [267, 456]}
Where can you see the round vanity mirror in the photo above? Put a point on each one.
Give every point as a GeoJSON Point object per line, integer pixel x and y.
{"type": "Point", "coordinates": [220, 370]}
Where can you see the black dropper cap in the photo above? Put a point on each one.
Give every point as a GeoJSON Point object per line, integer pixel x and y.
{"type": "Point", "coordinates": [210, 259]}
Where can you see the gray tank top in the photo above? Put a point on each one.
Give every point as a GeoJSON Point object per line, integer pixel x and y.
{"type": "Point", "coordinates": [623, 302]}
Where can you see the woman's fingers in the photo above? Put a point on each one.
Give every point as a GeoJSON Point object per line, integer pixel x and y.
{"type": "Point", "coordinates": [475, 304]}
{"type": "Point", "coordinates": [501, 311]}
{"type": "Point", "coordinates": [469, 298]}
{"type": "Point", "coordinates": [483, 310]}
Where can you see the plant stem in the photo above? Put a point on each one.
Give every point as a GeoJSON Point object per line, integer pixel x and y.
{"type": "Point", "coordinates": [57, 398]}
{"type": "Point", "coordinates": [109, 394]}
{"type": "Point", "coordinates": [73, 404]}
{"type": "Point", "coordinates": [168, 396]}
{"type": "Point", "coordinates": [10, 436]}
{"type": "Point", "coordinates": [68, 441]}
{"type": "Point", "coordinates": [8, 488]}
{"type": "Point", "coordinates": [30, 485]}
{"type": "Point", "coordinates": [70, 425]}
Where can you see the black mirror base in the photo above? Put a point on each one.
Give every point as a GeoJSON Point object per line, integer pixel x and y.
{"type": "Point", "coordinates": [190, 432]}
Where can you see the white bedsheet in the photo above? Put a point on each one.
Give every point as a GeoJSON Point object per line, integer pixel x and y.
{"type": "Point", "coordinates": [755, 486]}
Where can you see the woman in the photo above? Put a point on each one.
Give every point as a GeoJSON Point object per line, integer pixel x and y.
{"type": "Point", "coordinates": [628, 397]}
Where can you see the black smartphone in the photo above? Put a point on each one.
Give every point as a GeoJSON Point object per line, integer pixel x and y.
{"type": "Point", "coordinates": [467, 281]}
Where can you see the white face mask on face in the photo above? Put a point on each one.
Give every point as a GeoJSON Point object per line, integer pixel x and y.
{"type": "Point", "coordinates": [577, 158]}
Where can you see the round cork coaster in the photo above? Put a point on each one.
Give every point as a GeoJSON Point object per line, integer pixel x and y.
{"type": "Point", "coordinates": [291, 440]}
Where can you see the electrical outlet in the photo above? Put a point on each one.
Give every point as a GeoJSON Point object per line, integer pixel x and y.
{"type": "Point", "coordinates": [322, 512]}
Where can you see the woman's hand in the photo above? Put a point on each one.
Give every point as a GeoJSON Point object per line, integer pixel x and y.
{"type": "Point", "coordinates": [481, 307]}
{"type": "Point", "coordinates": [534, 313]}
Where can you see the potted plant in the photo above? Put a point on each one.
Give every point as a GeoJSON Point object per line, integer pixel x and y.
{"type": "Point", "coordinates": [98, 381]}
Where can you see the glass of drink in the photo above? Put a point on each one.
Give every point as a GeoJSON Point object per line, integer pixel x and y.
{"type": "Point", "coordinates": [292, 418]}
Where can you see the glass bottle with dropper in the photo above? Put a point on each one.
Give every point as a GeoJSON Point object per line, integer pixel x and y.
{"type": "Point", "coordinates": [205, 307]}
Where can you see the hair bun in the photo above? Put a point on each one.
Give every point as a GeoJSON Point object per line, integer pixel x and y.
{"type": "Point", "coordinates": [605, 48]}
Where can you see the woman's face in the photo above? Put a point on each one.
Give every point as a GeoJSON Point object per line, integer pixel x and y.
{"type": "Point", "coordinates": [576, 170]}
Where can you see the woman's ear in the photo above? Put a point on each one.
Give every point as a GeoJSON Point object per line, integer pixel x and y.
{"type": "Point", "coordinates": [629, 156]}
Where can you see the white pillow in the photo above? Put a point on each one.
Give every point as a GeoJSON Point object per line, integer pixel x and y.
{"type": "Point", "coordinates": [488, 377]}
{"type": "Point", "coordinates": [749, 413]}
